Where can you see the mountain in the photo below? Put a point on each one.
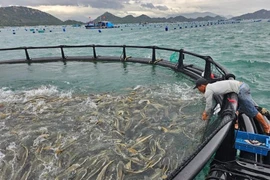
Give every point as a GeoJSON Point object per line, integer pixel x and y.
{"type": "Point", "coordinates": [20, 16]}
{"type": "Point", "coordinates": [108, 17]}
{"type": "Point", "coordinates": [144, 18]}
{"type": "Point", "coordinates": [261, 14]}
{"type": "Point", "coordinates": [72, 22]}
{"type": "Point", "coordinates": [23, 16]}
{"type": "Point", "coordinates": [195, 15]}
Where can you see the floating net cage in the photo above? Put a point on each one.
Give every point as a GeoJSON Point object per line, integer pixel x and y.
{"type": "Point", "coordinates": [136, 135]}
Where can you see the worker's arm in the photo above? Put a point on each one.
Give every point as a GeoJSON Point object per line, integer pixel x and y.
{"type": "Point", "coordinates": [208, 104]}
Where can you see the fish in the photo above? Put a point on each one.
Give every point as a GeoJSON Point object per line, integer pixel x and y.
{"type": "Point", "coordinates": [128, 124]}
{"type": "Point", "coordinates": [118, 133]}
{"type": "Point", "coordinates": [128, 165]}
{"type": "Point", "coordinates": [119, 170]}
{"type": "Point", "coordinates": [72, 168]}
{"type": "Point", "coordinates": [102, 172]}
{"type": "Point", "coordinates": [136, 171]}
{"type": "Point", "coordinates": [23, 159]}
{"type": "Point", "coordinates": [153, 148]}
{"type": "Point", "coordinates": [163, 129]}
{"type": "Point", "coordinates": [254, 142]}
{"type": "Point", "coordinates": [144, 101]}
{"type": "Point", "coordinates": [165, 165]}
{"type": "Point", "coordinates": [154, 161]}
{"type": "Point", "coordinates": [157, 106]}
{"type": "Point", "coordinates": [156, 174]}
{"type": "Point", "coordinates": [143, 115]}
{"type": "Point", "coordinates": [118, 150]}
{"type": "Point", "coordinates": [191, 138]}
{"type": "Point", "coordinates": [26, 174]}
{"type": "Point", "coordinates": [141, 140]}
{"type": "Point", "coordinates": [132, 151]}
{"type": "Point", "coordinates": [137, 87]}
{"type": "Point", "coordinates": [96, 168]}
{"type": "Point", "coordinates": [136, 161]}
{"type": "Point", "coordinates": [130, 99]}
{"type": "Point", "coordinates": [117, 124]}
{"type": "Point", "coordinates": [3, 116]}
{"type": "Point", "coordinates": [160, 148]}
{"type": "Point", "coordinates": [121, 113]}
{"type": "Point", "coordinates": [81, 174]}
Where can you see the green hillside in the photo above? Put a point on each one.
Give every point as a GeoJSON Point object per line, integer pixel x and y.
{"type": "Point", "coordinates": [261, 14]}
{"type": "Point", "coordinates": [22, 16]}
{"type": "Point", "coordinates": [143, 18]}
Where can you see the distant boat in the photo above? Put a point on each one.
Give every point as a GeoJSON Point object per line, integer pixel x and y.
{"type": "Point", "coordinates": [259, 20]}
{"type": "Point", "coordinates": [90, 25]}
{"type": "Point", "coordinates": [100, 25]}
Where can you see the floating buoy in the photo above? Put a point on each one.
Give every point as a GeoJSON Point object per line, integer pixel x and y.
{"type": "Point", "coordinates": [14, 32]}
{"type": "Point", "coordinates": [166, 28]}
{"type": "Point", "coordinates": [64, 30]}
{"type": "Point", "coordinates": [50, 30]}
{"type": "Point", "coordinates": [99, 31]}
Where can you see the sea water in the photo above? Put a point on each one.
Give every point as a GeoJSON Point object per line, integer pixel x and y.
{"type": "Point", "coordinates": [45, 101]}
{"type": "Point", "coordinates": [243, 48]}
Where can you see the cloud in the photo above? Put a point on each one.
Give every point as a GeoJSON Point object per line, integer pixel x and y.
{"type": "Point", "coordinates": [163, 8]}
{"type": "Point", "coordinates": [151, 6]}
{"type": "Point", "coordinates": [107, 4]}
{"type": "Point", "coordinates": [148, 5]}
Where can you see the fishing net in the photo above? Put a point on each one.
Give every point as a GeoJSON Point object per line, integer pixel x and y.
{"type": "Point", "coordinates": [174, 57]}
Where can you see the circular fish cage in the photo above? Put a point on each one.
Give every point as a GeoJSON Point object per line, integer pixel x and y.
{"type": "Point", "coordinates": [121, 145]}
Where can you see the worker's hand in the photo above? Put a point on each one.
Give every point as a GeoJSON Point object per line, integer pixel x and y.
{"type": "Point", "coordinates": [204, 116]}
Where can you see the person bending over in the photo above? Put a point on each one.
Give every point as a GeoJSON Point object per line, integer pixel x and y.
{"type": "Point", "coordinates": [246, 103]}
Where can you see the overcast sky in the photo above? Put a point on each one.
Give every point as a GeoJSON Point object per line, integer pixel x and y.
{"type": "Point", "coordinates": [83, 9]}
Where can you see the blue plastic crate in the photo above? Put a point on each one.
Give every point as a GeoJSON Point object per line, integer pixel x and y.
{"type": "Point", "coordinates": [245, 141]}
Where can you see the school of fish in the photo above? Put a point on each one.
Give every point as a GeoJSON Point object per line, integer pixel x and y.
{"type": "Point", "coordinates": [135, 135]}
